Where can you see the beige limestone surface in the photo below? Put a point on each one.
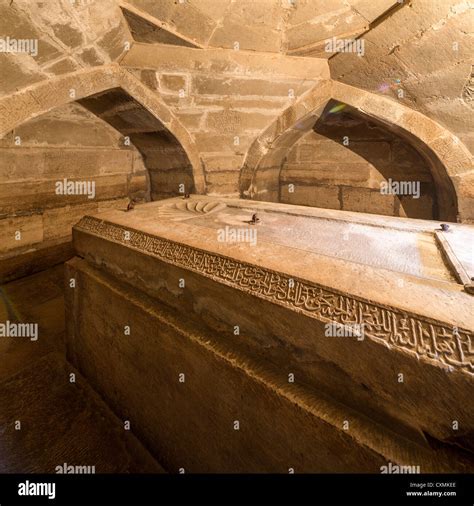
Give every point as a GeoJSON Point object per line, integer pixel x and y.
{"type": "Point", "coordinates": [281, 292]}
{"type": "Point", "coordinates": [203, 402]}
{"type": "Point", "coordinates": [224, 98]}
{"type": "Point", "coordinates": [395, 260]}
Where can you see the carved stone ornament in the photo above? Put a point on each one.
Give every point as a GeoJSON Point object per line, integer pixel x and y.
{"type": "Point", "coordinates": [424, 337]}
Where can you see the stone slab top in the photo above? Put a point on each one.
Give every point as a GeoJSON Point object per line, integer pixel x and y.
{"type": "Point", "coordinates": [390, 261]}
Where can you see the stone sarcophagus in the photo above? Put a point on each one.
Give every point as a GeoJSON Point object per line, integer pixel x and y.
{"type": "Point", "coordinates": [241, 336]}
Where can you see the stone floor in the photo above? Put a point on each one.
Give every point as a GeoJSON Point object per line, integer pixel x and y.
{"type": "Point", "coordinates": [61, 422]}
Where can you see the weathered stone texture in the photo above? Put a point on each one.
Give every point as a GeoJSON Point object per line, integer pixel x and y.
{"type": "Point", "coordinates": [68, 143]}
{"type": "Point", "coordinates": [152, 99]}
{"type": "Point", "coordinates": [311, 195]}
{"type": "Point", "coordinates": [426, 47]}
{"type": "Point", "coordinates": [227, 93]}
{"type": "Point", "coordinates": [278, 333]}
{"type": "Point", "coordinates": [70, 35]}
{"type": "Point", "coordinates": [372, 157]}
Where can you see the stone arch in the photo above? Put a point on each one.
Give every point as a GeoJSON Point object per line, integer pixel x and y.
{"type": "Point", "coordinates": [40, 98]}
{"type": "Point", "coordinates": [450, 161]}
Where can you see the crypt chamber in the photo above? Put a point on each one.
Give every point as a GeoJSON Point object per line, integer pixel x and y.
{"type": "Point", "coordinates": [236, 236]}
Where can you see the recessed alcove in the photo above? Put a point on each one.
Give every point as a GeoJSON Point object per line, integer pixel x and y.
{"type": "Point", "coordinates": [349, 162]}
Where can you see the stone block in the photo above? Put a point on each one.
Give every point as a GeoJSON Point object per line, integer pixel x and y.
{"type": "Point", "coordinates": [17, 164]}
{"type": "Point", "coordinates": [138, 185]}
{"type": "Point", "coordinates": [336, 152]}
{"type": "Point", "coordinates": [110, 186]}
{"type": "Point", "coordinates": [63, 66]}
{"type": "Point", "coordinates": [396, 173]}
{"type": "Point", "coordinates": [8, 140]}
{"type": "Point", "coordinates": [267, 179]}
{"type": "Point", "coordinates": [153, 140]}
{"type": "Point", "coordinates": [256, 39]}
{"type": "Point", "coordinates": [37, 258]}
{"type": "Point", "coordinates": [273, 105]}
{"type": "Point", "coordinates": [326, 173]}
{"type": "Point", "coordinates": [212, 142]}
{"type": "Point", "coordinates": [204, 85]}
{"type": "Point", "coordinates": [435, 48]}
{"type": "Point", "coordinates": [236, 122]}
{"type": "Point", "coordinates": [387, 110]}
{"type": "Point", "coordinates": [18, 75]}
{"type": "Point", "coordinates": [372, 152]}
{"type": "Point", "coordinates": [105, 205]}
{"type": "Point", "coordinates": [161, 10]}
{"type": "Point", "coordinates": [308, 10]}
{"type": "Point", "coordinates": [188, 19]}
{"type": "Point", "coordinates": [138, 162]}
{"type": "Point", "coordinates": [266, 195]}
{"type": "Point", "coordinates": [273, 158]}
{"type": "Point", "coordinates": [223, 182]}
{"type": "Point", "coordinates": [148, 77]}
{"type": "Point", "coordinates": [404, 155]}
{"type": "Point", "coordinates": [457, 159]}
{"type": "Point", "coordinates": [90, 56]}
{"type": "Point", "coordinates": [351, 127]}
{"type": "Point", "coordinates": [226, 61]}
{"type": "Point", "coordinates": [166, 159]}
{"type": "Point", "coordinates": [67, 132]}
{"type": "Point", "coordinates": [293, 155]}
{"type": "Point", "coordinates": [170, 181]}
{"type": "Point", "coordinates": [41, 194]}
{"type": "Point", "coordinates": [372, 10]}
{"type": "Point", "coordinates": [426, 130]}
{"type": "Point", "coordinates": [464, 185]}
{"type": "Point", "coordinates": [173, 83]}
{"type": "Point", "coordinates": [191, 120]}
{"type": "Point", "coordinates": [367, 201]}
{"type": "Point", "coordinates": [86, 163]}
{"type": "Point", "coordinates": [113, 42]}
{"type": "Point", "coordinates": [338, 23]}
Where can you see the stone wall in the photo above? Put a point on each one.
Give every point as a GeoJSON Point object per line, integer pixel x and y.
{"type": "Point", "coordinates": [224, 98]}
{"type": "Point", "coordinates": [420, 56]}
{"type": "Point", "coordinates": [67, 143]}
{"type": "Point", "coordinates": [292, 26]}
{"type": "Point", "coordinates": [321, 171]}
